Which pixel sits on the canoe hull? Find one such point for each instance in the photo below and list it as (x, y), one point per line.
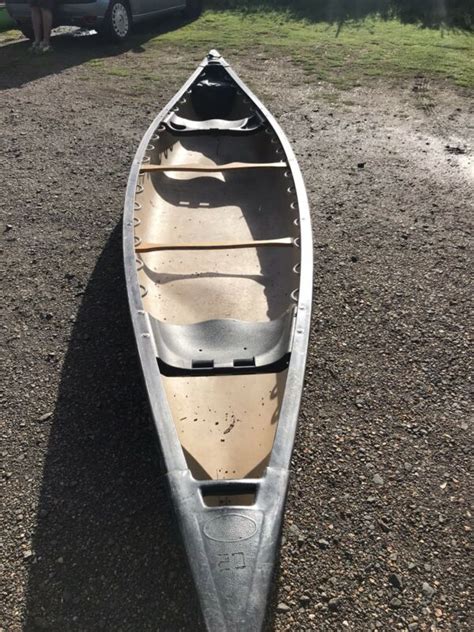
(231, 550)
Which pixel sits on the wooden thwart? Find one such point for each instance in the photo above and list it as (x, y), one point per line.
(223, 245)
(231, 166)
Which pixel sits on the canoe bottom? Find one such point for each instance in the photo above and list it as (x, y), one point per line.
(226, 423)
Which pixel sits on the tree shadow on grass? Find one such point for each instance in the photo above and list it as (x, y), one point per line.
(332, 11)
(18, 67)
(428, 13)
(107, 553)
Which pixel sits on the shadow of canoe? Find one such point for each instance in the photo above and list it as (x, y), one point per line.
(108, 555)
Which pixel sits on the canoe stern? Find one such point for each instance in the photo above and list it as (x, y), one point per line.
(231, 550)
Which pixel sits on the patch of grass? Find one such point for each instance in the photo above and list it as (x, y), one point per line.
(8, 30)
(432, 13)
(10, 36)
(95, 63)
(150, 77)
(330, 97)
(345, 57)
(104, 66)
(119, 72)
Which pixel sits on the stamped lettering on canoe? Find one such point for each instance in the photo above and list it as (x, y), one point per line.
(231, 561)
(230, 528)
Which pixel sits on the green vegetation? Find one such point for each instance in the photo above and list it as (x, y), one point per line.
(432, 13)
(341, 53)
(344, 56)
(118, 72)
(148, 77)
(6, 23)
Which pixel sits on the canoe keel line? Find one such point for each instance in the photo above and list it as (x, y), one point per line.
(218, 265)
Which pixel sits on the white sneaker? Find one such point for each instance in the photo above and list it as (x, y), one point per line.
(34, 47)
(45, 48)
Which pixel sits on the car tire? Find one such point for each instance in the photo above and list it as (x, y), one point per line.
(27, 29)
(193, 8)
(117, 22)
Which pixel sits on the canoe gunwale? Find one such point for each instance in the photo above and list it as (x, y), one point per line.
(286, 430)
(188, 493)
(172, 452)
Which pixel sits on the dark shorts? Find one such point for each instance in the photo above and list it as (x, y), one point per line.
(43, 4)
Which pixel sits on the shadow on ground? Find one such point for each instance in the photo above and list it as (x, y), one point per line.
(107, 552)
(73, 49)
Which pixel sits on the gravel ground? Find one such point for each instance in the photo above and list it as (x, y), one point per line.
(377, 528)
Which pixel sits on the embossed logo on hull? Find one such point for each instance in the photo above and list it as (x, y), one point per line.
(230, 527)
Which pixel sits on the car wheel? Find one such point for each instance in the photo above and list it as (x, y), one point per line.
(27, 29)
(117, 22)
(193, 8)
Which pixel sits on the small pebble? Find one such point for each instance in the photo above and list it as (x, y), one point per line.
(334, 604)
(377, 479)
(396, 581)
(45, 417)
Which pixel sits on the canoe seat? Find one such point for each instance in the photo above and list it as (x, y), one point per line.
(249, 125)
(224, 344)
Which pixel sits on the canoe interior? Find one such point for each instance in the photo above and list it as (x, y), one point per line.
(226, 419)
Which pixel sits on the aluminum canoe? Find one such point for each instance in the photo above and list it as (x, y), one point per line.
(218, 263)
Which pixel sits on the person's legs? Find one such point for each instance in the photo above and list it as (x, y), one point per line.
(47, 20)
(36, 21)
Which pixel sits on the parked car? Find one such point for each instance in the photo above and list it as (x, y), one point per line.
(111, 18)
